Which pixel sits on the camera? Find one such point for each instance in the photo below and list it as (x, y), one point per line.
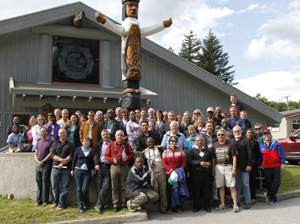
(119, 160)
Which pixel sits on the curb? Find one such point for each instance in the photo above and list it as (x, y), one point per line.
(280, 197)
(138, 216)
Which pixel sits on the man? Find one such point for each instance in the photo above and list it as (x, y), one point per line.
(228, 131)
(258, 134)
(174, 131)
(199, 160)
(166, 127)
(234, 103)
(235, 120)
(119, 118)
(57, 114)
(210, 137)
(119, 154)
(151, 114)
(99, 116)
(272, 160)
(152, 156)
(64, 120)
(16, 121)
(244, 163)
(218, 112)
(125, 118)
(138, 188)
(211, 117)
(133, 129)
(43, 160)
(90, 129)
(102, 167)
(244, 117)
(185, 126)
(224, 168)
(142, 138)
(78, 114)
(110, 124)
(186, 113)
(62, 153)
(138, 114)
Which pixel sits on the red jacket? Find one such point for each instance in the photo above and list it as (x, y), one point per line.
(173, 160)
(111, 154)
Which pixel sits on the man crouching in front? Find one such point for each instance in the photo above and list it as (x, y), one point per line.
(138, 188)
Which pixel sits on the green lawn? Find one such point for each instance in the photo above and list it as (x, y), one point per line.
(24, 211)
(290, 180)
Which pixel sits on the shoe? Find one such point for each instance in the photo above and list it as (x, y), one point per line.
(163, 211)
(87, 206)
(207, 209)
(247, 206)
(232, 205)
(179, 211)
(236, 208)
(267, 197)
(170, 211)
(195, 209)
(252, 202)
(271, 203)
(221, 207)
(81, 209)
(115, 209)
(124, 208)
(215, 198)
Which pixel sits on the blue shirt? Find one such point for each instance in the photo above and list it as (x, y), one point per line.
(181, 140)
(15, 139)
(237, 122)
(103, 151)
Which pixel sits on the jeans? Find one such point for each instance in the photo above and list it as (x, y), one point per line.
(42, 177)
(103, 180)
(83, 180)
(244, 177)
(273, 181)
(131, 143)
(60, 186)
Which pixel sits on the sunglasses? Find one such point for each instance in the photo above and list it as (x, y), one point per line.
(220, 134)
(173, 141)
(257, 128)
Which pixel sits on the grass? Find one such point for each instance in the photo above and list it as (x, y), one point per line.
(23, 211)
(290, 180)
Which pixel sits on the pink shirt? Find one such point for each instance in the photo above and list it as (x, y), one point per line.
(29, 134)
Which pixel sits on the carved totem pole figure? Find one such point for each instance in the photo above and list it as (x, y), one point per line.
(131, 49)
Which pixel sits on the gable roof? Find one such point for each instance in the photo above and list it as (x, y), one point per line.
(290, 113)
(26, 23)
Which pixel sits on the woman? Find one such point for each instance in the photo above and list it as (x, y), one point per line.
(165, 116)
(143, 114)
(52, 127)
(36, 131)
(255, 162)
(15, 139)
(179, 119)
(83, 118)
(191, 139)
(159, 119)
(201, 125)
(173, 158)
(199, 160)
(196, 114)
(152, 126)
(82, 170)
(28, 137)
(133, 129)
(73, 131)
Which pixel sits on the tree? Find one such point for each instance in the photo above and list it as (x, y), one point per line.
(191, 46)
(214, 60)
(171, 49)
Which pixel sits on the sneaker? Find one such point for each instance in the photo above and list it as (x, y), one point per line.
(215, 198)
(115, 209)
(252, 202)
(221, 207)
(267, 197)
(236, 208)
(271, 203)
(247, 206)
(81, 209)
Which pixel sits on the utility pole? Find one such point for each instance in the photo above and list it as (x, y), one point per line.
(287, 101)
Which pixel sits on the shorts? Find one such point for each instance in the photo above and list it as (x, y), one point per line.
(224, 174)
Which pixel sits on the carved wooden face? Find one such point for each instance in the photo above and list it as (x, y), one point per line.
(132, 9)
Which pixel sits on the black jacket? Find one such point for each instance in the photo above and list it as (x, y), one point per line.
(244, 148)
(214, 138)
(117, 127)
(136, 180)
(76, 134)
(98, 152)
(140, 142)
(194, 159)
(166, 127)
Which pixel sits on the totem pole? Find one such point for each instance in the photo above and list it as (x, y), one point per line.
(131, 49)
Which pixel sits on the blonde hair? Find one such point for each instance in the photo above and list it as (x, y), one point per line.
(31, 119)
(197, 111)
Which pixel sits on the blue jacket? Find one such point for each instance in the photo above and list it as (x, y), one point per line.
(273, 156)
(179, 188)
(56, 128)
(237, 122)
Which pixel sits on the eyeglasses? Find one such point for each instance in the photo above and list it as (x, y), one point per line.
(173, 141)
(257, 128)
(197, 113)
(220, 134)
(91, 115)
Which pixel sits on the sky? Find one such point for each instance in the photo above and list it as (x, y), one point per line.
(261, 37)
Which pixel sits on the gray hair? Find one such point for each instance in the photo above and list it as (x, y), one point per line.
(233, 108)
(118, 109)
(221, 130)
(151, 109)
(99, 112)
(151, 121)
(56, 110)
(104, 131)
(200, 136)
(171, 111)
(258, 124)
(237, 127)
(120, 131)
(175, 123)
(65, 110)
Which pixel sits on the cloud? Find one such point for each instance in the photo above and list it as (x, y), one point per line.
(280, 38)
(250, 8)
(294, 4)
(273, 85)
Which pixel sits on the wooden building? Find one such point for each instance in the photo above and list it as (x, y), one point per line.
(38, 51)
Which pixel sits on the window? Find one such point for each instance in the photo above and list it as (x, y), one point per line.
(295, 124)
(75, 61)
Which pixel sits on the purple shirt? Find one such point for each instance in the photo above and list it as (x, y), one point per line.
(133, 129)
(43, 147)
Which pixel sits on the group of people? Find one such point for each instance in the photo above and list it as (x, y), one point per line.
(204, 153)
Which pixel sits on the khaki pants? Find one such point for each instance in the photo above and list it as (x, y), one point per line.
(145, 195)
(160, 186)
(118, 177)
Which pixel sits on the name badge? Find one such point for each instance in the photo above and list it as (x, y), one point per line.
(109, 130)
(156, 160)
(201, 154)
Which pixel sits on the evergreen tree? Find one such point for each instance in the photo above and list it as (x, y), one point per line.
(171, 49)
(214, 60)
(191, 46)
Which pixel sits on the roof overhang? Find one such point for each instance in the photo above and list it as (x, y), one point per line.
(71, 96)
